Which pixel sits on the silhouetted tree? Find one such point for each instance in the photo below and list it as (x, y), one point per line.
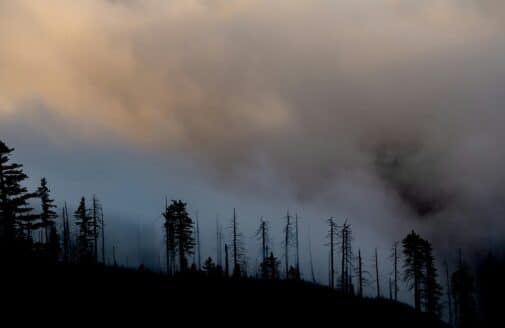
(431, 289)
(209, 267)
(183, 232)
(377, 275)
(448, 294)
(297, 246)
(85, 235)
(65, 233)
(463, 289)
(96, 213)
(288, 233)
(262, 234)
(16, 220)
(237, 248)
(47, 215)
(360, 275)
(197, 238)
(345, 235)
(413, 265)
(53, 244)
(395, 258)
(170, 243)
(270, 267)
(332, 231)
(226, 261)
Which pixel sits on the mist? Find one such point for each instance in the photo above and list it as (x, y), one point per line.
(387, 112)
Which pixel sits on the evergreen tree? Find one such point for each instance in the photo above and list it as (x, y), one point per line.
(47, 215)
(85, 235)
(413, 265)
(53, 243)
(94, 225)
(463, 289)
(270, 268)
(209, 267)
(431, 290)
(16, 220)
(182, 226)
(170, 243)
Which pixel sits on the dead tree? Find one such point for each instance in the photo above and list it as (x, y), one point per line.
(226, 262)
(377, 278)
(346, 264)
(66, 233)
(395, 258)
(102, 225)
(313, 276)
(237, 248)
(297, 242)
(360, 274)
(449, 292)
(332, 237)
(198, 247)
(219, 244)
(262, 236)
(287, 241)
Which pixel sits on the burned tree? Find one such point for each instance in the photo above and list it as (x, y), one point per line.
(332, 235)
(238, 252)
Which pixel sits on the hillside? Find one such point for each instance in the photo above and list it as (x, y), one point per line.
(126, 292)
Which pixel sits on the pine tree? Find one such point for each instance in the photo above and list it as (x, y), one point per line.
(170, 243)
(413, 265)
(183, 232)
(209, 267)
(85, 234)
(270, 268)
(47, 215)
(16, 220)
(94, 225)
(463, 289)
(431, 290)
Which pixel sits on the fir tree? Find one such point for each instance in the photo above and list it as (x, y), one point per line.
(84, 237)
(47, 215)
(16, 220)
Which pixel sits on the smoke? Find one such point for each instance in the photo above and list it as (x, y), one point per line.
(394, 103)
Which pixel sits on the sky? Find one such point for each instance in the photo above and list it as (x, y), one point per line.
(388, 113)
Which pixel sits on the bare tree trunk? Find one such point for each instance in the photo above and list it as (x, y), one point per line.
(226, 263)
(311, 262)
(297, 247)
(396, 270)
(235, 246)
(332, 243)
(286, 245)
(198, 242)
(449, 298)
(360, 274)
(377, 273)
(103, 238)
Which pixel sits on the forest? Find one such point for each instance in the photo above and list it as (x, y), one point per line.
(46, 249)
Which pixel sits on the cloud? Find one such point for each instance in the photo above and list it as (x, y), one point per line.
(391, 97)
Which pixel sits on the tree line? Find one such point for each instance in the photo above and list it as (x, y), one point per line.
(29, 229)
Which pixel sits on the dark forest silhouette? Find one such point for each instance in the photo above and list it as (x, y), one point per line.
(33, 233)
